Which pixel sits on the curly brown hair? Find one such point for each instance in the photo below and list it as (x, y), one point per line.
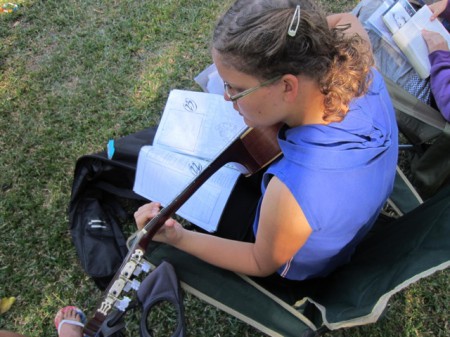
(252, 37)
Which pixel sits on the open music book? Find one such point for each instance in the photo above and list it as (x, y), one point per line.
(406, 26)
(195, 127)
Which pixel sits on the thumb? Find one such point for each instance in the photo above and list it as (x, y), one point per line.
(170, 223)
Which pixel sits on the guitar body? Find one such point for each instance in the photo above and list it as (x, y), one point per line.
(254, 149)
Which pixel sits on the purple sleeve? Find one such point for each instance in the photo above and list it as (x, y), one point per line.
(440, 80)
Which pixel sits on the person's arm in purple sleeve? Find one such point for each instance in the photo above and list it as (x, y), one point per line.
(439, 56)
(440, 80)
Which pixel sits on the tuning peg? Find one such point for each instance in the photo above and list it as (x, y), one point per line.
(134, 284)
(122, 304)
(144, 266)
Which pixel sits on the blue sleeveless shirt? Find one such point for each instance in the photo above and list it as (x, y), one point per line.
(341, 174)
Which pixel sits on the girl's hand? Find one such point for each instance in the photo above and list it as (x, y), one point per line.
(171, 232)
(146, 213)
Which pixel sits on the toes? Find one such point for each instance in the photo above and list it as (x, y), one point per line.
(71, 314)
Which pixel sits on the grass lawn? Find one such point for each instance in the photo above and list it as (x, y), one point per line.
(74, 74)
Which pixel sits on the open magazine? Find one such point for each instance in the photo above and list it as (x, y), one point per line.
(195, 127)
(397, 15)
(375, 21)
(406, 26)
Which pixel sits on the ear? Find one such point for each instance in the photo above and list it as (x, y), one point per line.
(290, 87)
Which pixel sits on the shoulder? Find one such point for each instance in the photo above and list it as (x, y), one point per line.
(280, 208)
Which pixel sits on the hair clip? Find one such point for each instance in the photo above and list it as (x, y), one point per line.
(296, 18)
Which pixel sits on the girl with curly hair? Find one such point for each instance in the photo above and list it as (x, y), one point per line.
(285, 62)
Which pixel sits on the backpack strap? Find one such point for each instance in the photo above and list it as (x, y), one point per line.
(161, 285)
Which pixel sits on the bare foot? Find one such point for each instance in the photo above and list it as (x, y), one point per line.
(68, 329)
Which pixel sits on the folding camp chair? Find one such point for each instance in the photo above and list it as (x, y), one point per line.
(355, 294)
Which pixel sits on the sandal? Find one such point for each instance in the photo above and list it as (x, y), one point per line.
(60, 322)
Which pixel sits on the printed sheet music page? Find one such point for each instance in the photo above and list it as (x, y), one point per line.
(194, 129)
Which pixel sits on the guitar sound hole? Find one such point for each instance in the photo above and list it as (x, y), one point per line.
(162, 319)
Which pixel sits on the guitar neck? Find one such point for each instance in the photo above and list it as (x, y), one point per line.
(153, 226)
(254, 149)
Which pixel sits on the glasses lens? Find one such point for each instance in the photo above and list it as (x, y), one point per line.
(244, 93)
(226, 87)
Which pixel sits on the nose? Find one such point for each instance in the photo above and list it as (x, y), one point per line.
(226, 97)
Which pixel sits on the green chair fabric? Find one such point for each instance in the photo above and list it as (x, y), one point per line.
(233, 294)
(355, 294)
(393, 256)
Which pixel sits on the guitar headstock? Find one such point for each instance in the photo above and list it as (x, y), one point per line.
(125, 281)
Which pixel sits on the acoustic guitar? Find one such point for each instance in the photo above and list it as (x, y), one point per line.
(254, 149)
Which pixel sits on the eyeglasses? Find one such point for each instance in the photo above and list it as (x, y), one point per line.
(244, 93)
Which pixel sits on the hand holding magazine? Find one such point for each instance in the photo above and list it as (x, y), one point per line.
(406, 26)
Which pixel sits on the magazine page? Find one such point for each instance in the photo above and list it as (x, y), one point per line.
(409, 39)
(376, 22)
(398, 14)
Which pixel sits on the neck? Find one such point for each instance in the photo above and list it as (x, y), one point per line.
(308, 108)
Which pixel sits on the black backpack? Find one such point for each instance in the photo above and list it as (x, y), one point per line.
(102, 199)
